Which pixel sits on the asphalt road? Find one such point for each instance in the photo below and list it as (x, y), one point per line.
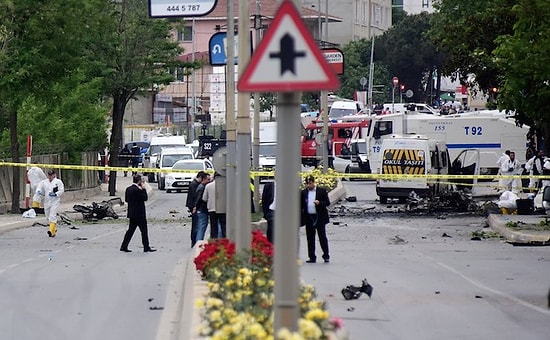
(431, 281)
(78, 285)
(426, 286)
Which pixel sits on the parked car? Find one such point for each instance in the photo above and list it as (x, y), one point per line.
(167, 158)
(186, 171)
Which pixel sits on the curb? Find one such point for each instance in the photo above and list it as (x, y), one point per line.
(498, 223)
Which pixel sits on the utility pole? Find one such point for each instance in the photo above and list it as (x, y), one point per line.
(324, 103)
(256, 136)
(231, 128)
(243, 137)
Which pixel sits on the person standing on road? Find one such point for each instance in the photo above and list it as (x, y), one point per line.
(135, 196)
(534, 166)
(505, 157)
(268, 208)
(201, 208)
(51, 188)
(217, 219)
(124, 158)
(136, 150)
(190, 204)
(511, 167)
(314, 213)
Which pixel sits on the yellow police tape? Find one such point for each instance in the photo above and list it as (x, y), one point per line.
(332, 174)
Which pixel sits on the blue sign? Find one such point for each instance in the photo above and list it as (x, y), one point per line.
(217, 48)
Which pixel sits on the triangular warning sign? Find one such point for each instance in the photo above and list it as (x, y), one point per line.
(287, 59)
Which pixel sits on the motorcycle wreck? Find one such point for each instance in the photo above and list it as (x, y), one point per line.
(99, 211)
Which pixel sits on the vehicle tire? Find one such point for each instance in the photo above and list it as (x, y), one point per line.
(383, 199)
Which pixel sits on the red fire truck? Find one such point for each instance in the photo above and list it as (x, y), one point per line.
(340, 136)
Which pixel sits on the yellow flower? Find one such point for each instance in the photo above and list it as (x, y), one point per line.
(309, 329)
(215, 315)
(199, 303)
(257, 331)
(317, 314)
(229, 282)
(213, 302)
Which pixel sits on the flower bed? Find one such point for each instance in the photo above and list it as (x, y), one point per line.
(239, 301)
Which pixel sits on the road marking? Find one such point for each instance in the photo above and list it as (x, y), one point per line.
(52, 252)
(494, 291)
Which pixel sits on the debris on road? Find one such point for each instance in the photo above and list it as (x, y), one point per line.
(354, 292)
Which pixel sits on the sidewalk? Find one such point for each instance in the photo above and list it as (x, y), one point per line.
(522, 229)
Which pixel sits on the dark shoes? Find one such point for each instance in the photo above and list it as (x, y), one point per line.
(125, 250)
(149, 250)
(311, 261)
(326, 258)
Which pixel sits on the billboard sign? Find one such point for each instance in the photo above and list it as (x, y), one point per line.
(182, 8)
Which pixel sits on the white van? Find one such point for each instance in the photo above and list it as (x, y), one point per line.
(156, 146)
(167, 158)
(411, 155)
(340, 109)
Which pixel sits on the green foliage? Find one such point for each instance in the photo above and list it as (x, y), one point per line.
(357, 65)
(524, 59)
(467, 31)
(410, 55)
(42, 83)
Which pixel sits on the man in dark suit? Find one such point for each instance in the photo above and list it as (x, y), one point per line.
(268, 208)
(314, 202)
(135, 196)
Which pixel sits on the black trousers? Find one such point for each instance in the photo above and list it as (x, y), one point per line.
(194, 220)
(217, 221)
(270, 218)
(135, 223)
(314, 227)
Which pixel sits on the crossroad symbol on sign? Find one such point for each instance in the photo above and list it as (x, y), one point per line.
(287, 59)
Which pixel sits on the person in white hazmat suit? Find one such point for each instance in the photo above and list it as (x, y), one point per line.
(51, 189)
(35, 176)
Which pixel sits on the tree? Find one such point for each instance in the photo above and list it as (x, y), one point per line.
(133, 52)
(467, 31)
(524, 60)
(357, 65)
(410, 55)
(41, 43)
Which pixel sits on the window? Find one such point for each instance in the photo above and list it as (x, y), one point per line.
(186, 34)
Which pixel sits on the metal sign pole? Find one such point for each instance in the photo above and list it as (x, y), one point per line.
(287, 211)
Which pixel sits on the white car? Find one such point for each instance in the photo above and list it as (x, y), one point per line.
(186, 172)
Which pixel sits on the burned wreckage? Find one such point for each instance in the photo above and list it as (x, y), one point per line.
(99, 211)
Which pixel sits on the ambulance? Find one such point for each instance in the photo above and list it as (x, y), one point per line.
(405, 155)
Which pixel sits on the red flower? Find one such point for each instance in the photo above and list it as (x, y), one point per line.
(222, 249)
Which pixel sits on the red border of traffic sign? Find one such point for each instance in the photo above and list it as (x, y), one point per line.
(244, 85)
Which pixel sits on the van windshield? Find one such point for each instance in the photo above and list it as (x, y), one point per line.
(169, 160)
(340, 112)
(153, 149)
